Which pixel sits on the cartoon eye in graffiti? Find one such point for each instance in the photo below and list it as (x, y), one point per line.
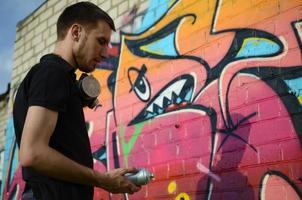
(161, 44)
(139, 83)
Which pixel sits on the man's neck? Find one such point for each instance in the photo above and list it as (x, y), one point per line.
(65, 52)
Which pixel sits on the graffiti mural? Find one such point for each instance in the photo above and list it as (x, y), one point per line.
(12, 186)
(208, 96)
(209, 99)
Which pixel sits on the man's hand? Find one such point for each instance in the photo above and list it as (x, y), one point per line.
(114, 181)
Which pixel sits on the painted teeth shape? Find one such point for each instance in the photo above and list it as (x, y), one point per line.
(177, 94)
(175, 88)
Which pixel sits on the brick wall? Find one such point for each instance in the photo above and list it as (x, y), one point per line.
(4, 98)
(3, 119)
(205, 94)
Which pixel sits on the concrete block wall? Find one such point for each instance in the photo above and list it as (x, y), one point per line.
(205, 94)
(3, 119)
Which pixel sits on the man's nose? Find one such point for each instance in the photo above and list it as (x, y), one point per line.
(104, 53)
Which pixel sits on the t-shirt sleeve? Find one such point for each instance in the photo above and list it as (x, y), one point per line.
(49, 88)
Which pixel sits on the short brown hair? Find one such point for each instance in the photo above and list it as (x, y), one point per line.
(84, 13)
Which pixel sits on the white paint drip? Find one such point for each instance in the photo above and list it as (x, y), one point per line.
(205, 170)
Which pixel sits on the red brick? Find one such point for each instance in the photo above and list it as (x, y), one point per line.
(230, 181)
(176, 168)
(160, 171)
(158, 189)
(255, 174)
(163, 136)
(265, 108)
(269, 153)
(191, 183)
(296, 169)
(228, 161)
(250, 157)
(291, 149)
(191, 166)
(198, 127)
(140, 158)
(163, 154)
(149, 140)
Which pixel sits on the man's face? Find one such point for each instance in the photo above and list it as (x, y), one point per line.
(93, 46)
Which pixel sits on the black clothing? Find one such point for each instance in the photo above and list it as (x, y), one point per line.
(52, 84)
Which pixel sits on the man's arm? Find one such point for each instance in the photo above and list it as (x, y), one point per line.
(35, 153)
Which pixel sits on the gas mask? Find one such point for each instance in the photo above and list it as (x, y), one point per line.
(90, 90)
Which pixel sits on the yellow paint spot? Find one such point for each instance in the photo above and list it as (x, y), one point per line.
(300, 100)
(172, 187)
(183, 196)
(156, 51)
(171, 3)
(256, 42)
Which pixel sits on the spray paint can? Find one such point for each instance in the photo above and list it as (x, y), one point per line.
(142, 177)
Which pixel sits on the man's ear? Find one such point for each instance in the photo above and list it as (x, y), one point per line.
(76, 30)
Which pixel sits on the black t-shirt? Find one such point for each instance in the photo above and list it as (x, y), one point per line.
(52, 84)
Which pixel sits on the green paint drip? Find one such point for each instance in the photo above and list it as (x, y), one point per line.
(127, 147)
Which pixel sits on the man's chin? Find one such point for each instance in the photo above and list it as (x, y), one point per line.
(87, 69)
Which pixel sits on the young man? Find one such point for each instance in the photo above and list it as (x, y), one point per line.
(49, 122)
